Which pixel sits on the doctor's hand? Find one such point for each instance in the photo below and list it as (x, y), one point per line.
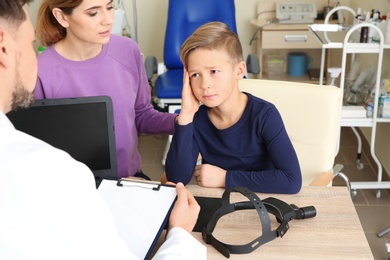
(189, 103)
(186, 210)
(211, 176)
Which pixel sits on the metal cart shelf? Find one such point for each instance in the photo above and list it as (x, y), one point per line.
(334, 36)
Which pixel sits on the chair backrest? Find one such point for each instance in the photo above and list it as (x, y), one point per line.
(185, 16)
(311, 115)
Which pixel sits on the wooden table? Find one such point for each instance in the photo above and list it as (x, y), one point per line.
(335, 233)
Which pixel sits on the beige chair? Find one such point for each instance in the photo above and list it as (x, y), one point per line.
(311, 114)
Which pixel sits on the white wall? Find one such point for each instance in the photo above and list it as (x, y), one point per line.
(152, 16)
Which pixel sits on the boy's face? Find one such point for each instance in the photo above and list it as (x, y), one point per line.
(213, 77)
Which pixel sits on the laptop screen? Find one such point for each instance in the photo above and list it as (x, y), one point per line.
(83, 127)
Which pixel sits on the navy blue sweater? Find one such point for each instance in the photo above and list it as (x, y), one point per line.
(256, 152)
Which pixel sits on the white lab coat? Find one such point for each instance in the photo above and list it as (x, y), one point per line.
(50, 208)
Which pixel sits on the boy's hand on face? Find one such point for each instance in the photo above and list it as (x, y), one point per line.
(189, 104)
(207, 175)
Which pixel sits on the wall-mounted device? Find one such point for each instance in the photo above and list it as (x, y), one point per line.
(296, 12)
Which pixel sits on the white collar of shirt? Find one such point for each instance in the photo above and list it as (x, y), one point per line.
(4, 121)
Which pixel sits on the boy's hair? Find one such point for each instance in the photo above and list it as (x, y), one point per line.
(213, 36)
(11, 12)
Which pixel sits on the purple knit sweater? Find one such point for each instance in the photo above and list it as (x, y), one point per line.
(118, 71)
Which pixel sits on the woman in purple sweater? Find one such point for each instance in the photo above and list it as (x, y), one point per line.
(84, 59)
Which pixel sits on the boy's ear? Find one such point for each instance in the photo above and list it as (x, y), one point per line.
(60, 17)
(241, 69)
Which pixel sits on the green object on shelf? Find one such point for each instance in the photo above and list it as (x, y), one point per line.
(275, 61)
(275, 64)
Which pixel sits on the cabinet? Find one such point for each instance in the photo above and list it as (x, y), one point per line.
(341, 37)
(282, 39)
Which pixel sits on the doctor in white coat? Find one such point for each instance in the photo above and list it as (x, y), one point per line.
(49, 206)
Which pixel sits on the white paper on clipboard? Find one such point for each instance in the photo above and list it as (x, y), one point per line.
(140, 213)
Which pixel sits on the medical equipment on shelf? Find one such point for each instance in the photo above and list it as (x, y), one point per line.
(296, 12)
(334, 73)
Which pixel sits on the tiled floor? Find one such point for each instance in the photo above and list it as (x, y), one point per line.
(374, 213)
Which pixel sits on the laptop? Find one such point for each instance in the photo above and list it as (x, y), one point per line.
(83, 127)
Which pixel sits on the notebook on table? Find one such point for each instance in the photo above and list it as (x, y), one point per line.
(83, 127)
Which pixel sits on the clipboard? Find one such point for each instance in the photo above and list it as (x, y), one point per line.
(141, 210)
(154, 185)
